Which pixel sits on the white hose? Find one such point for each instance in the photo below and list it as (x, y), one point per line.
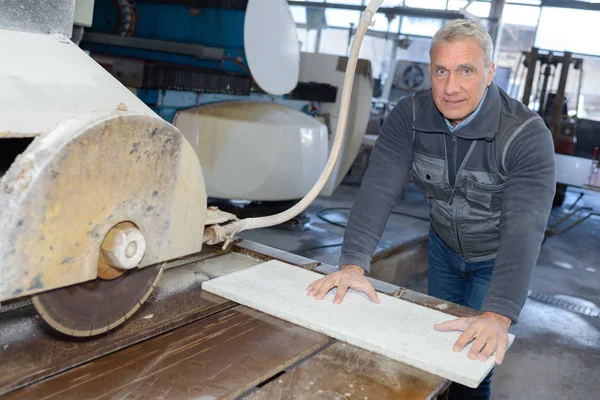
(216, 234)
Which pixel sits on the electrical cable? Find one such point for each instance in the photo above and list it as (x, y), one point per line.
(236, 62)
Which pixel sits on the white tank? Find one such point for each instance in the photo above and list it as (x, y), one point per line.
(254, 150)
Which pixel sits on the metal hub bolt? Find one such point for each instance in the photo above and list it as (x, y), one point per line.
(124, 246)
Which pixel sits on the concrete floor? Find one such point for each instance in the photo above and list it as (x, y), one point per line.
(556, 354)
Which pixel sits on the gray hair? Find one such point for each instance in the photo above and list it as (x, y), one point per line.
(460, 29)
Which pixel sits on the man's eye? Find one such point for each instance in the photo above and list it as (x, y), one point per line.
(441, 72)
(467, 71)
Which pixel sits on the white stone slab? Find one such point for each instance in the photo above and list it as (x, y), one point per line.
(394, 328)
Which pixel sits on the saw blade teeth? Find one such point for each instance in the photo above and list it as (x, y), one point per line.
(70, 311)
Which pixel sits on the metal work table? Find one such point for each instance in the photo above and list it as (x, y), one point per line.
(186, 343)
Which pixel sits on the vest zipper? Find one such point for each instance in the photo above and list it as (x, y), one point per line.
(455, 158)
(457, 172)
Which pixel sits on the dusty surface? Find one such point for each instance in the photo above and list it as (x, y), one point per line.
(343, 371)
(216, 357)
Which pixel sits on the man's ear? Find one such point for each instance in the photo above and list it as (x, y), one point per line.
(491, 72)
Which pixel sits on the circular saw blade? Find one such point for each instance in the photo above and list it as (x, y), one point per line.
(94, 307)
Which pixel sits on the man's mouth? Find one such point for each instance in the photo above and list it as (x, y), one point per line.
(453, 102)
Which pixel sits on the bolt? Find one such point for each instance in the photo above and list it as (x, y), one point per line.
(131, 249)
(124, 246)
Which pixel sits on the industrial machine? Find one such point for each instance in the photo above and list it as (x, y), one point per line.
(102, 191)
(546, 75)
(185, 59)
(409, 77)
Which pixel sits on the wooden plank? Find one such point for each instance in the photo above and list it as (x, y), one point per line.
(30, 351)
(343, 371)
(398, 329)
(217, 357)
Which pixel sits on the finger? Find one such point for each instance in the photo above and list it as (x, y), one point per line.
(478, 345)
(340, 293)
(489, 349)
(501, 351)
(464, 339)
(325, 288)
(459, 324)
(314, 287)
(372, 293)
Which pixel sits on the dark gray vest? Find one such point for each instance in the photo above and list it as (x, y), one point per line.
(467, 215)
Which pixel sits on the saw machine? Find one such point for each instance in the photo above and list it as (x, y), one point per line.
(99, 191)
(105, 189)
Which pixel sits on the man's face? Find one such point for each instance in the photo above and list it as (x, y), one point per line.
(458, 78)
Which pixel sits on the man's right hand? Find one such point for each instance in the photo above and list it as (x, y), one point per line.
(349, 276)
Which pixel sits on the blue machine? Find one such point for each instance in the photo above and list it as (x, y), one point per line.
(183, 53)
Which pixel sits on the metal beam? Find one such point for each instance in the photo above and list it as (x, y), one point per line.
(494, 25)
(230, 4)
(370, 32)
(404, 11)
(560, 95)
(580, 5)
(531, 61)
(190, 49)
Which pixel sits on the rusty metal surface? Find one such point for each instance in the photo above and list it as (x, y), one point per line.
(220, 356)
(29, 351)
(347, 372)
(75, 182)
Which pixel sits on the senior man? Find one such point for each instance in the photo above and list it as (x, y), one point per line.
(486, 163)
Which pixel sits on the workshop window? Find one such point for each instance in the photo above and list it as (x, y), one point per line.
(430, 4)
(420, 26)
(308, 39)
(515, 14)
(382, 23)
(334, 41)
(418, 51)
(350, 2)
(578, 33)
(378, 51)
(479, 9)
(589, 100)
(299, 14)
(341, 18)
(531, 2)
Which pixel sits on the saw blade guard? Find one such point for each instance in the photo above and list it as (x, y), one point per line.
(88, 174)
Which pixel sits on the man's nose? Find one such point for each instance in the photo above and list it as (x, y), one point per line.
(452, 86)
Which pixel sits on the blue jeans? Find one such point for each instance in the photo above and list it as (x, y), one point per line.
(454, 280)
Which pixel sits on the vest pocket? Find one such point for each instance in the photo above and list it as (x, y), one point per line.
(480, 218)
(487, 196)
(428, 174)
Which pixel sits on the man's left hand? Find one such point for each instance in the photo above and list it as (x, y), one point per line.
(489, 331)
